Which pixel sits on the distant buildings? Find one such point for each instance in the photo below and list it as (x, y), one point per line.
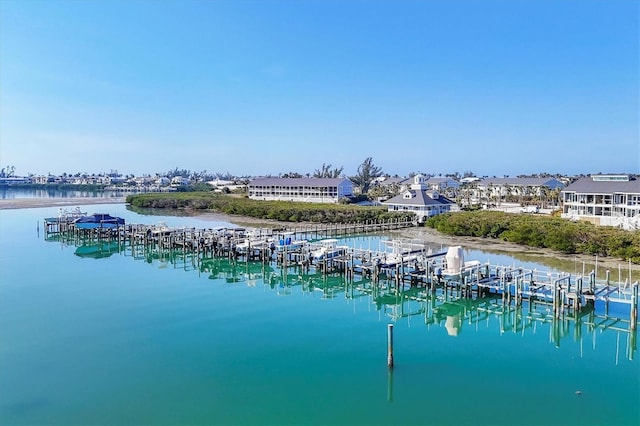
(12, 180)
(221, 185)
(603, 199)
(492, 192)
(312, 190)
(611, 200)
(517, 187)
(178, 181)
(442, 184)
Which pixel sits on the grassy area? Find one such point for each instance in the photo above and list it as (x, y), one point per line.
(542, 231)
(284, 211)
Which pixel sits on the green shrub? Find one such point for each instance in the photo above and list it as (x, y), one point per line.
(276, 210)
(550, 232)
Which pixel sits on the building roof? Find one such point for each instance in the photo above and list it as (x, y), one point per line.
(587, 185)
(392, 180)
(441, 179)
(419, 198)
(299, 182)
(550, 182)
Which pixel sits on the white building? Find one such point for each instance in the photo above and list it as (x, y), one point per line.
(177, 181)
(503, 187)
(420, 199)
(610, 200)
(311, 190)
(162, 181)
(442, 183)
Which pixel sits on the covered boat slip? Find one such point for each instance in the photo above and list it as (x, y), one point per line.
(76, 219)
(98, 220)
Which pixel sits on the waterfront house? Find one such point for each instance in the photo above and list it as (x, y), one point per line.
(10, 180)
(604, 199)
(311, 190)
(42, 179)
(420, 199)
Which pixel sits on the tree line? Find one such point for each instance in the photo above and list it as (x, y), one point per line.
(284, 211)
(542, 231)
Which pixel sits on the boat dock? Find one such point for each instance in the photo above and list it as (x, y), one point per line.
(401, 267)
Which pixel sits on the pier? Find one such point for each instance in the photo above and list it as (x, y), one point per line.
(312, 257)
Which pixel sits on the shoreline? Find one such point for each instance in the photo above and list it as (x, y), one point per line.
(424, 234)
(31, 203)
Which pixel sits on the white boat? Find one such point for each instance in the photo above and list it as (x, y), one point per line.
(393, 259)
(253, 243)
(160, 229)
(328, 249)
(287, 243)
(402, 252)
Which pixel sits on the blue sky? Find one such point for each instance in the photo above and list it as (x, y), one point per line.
(270, 86)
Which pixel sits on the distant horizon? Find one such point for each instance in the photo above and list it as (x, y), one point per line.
(275, 175)
(267, 87)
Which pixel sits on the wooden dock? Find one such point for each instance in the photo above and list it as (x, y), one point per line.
(408, 265)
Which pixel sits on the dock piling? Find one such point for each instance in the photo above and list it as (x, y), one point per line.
(390, 345)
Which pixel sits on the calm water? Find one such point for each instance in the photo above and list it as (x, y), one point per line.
(12, 193)
(127, 339)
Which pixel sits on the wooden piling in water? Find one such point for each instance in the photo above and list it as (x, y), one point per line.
(634, 306)
(390, 345)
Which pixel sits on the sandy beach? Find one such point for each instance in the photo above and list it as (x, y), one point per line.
(420, 233)
(29, 203)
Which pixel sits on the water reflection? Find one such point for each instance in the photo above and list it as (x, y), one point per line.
(438, 308)
(12, 193)
(99, 250)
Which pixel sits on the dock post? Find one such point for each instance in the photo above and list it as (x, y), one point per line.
(464, 287)
(608, 276)
(578, 294)
(390, 345)
(634, 306)
(556, 300)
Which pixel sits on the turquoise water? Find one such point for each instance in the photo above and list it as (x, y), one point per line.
(122, 339)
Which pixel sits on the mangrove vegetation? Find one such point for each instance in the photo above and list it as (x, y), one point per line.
(284, 211)
(542, 231)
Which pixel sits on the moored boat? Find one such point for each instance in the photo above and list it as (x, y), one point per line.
(287, 243)
(328, 249)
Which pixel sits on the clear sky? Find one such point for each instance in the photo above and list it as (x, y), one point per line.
(254, 87)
